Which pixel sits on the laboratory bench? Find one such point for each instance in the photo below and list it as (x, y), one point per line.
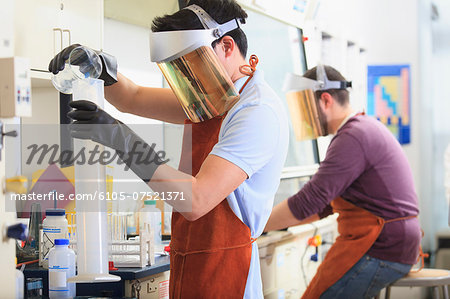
(289, 260)
(156, 276)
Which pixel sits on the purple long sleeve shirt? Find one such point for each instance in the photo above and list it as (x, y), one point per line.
(366, 166)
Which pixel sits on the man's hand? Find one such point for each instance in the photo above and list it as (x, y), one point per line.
(91, 122)
(109, 64)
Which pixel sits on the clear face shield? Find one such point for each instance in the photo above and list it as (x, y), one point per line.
(307, 117)
(192, 69)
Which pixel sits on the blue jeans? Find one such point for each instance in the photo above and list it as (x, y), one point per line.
(366, 279)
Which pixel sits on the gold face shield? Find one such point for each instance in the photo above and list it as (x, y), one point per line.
(200, 83)
(307, 118)
(304, 114)
(193, 70)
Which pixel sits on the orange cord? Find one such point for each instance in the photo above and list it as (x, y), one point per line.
(421, 257)
(248, 69)
(27, 263)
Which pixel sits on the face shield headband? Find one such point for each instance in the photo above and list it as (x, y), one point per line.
(192, 69)
(307, 118)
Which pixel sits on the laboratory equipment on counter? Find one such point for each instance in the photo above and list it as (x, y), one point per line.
(17, 184)
(308, 121)
(17, 231)
(31, 249)
(54, 226)
(91, 215)
(192, 68)
(137, 252)
(19, 283)
(15, 87)
(82, 62)
(34, 288)
(61, 266)
(153, 281)
(151, 215)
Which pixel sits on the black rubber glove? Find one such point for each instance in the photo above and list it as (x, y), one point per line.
(109, 64)
(91, 122)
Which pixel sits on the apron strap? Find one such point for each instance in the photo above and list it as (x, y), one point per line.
(422, 256)
(401, 218)
(252, 240)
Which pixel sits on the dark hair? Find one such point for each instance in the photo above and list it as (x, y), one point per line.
(221, 11)
(342, 95)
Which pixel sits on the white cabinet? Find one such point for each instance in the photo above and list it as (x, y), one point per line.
(268, 267)
(7, 246)
(285, 258)
(43, 28)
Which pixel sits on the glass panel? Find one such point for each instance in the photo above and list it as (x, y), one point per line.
(263, 34)
(289, 187)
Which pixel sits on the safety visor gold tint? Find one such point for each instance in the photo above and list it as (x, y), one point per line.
(201, 84)
(304, 114)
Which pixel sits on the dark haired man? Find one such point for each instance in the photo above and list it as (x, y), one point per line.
(239, 144)
(367, 179)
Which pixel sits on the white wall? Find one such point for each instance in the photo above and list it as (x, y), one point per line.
(130, 45)
(438, 75)
(397, 32)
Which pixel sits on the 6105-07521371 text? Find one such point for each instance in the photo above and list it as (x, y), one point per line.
(50, 196)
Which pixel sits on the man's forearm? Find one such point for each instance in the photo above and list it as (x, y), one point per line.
(175, 188)
(155, 103)
(282, 217)
(216, 179)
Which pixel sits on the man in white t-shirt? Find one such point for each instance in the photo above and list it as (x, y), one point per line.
(233, 166)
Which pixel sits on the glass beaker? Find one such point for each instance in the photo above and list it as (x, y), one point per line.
(83, 62)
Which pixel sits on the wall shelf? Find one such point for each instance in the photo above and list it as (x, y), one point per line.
(41, 79)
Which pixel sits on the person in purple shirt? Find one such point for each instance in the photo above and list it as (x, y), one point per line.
(365, 174)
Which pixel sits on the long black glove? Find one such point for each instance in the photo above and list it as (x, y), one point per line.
(109, 64)
(91, 122)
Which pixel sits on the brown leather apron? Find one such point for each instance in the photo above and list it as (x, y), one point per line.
(209, 257)
(358, 230)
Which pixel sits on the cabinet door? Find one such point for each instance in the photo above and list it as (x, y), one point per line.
(84, 20)
(268, 268)
(43, 28)
(34, 22)
(288, 271)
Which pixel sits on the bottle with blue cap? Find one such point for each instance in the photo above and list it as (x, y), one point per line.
(61, 266)
(54, 226)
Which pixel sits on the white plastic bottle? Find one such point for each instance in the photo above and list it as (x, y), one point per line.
(54, 227)
(61, 262)
(19, 284)
(150, 214)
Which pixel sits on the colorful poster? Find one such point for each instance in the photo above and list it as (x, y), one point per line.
(389, 98)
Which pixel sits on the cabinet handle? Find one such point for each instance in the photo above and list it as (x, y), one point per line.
(69, 34)
(55, 51)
